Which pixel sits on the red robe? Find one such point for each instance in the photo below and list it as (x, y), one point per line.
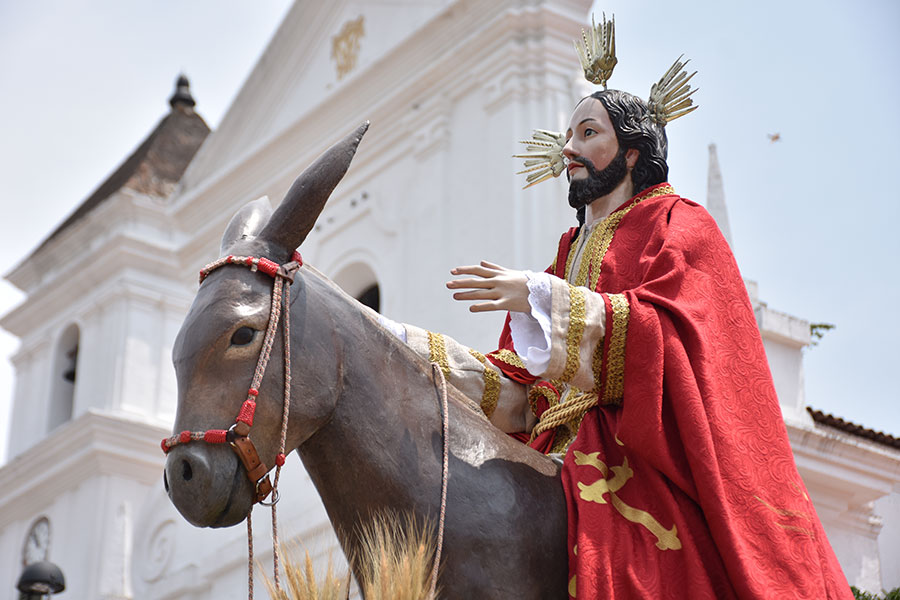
(682, 483)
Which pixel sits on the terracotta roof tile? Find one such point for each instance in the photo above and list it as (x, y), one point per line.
(853, 429)
(156, 166)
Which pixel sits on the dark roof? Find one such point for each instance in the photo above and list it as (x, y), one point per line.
(854, 429)
(158, 163)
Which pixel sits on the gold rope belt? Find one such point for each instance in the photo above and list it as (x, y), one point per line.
(570, 411)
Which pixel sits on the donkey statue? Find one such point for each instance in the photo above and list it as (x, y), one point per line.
(364, 415)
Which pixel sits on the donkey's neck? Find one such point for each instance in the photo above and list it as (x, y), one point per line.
(381, 449)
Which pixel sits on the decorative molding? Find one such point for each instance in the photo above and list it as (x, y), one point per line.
(782, 327)
(124, 261)
(267, 88)
(124, 214)
(457, 39)
(836, 463)
(427, 127)
(157, 551)
(94, 445)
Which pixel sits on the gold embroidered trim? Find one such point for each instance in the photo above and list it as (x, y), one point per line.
(536, 392)
(601, 238)
(438, 352)
(509, 357)
(575, 332)
(570, 258)
(491, 394)
(597, 365)
(666, 539)
(602, 233)
(615, 358)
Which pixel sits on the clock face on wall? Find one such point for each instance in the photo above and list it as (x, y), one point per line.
(37, 542)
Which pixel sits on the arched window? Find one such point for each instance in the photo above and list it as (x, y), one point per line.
(371, 297)
(358, 280)
(65, 374)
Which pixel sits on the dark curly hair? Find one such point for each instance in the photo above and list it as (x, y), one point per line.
(634, 129)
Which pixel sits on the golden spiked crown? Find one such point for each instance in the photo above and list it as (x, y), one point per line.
(669, 99)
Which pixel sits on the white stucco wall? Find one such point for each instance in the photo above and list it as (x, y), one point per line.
(888, 510)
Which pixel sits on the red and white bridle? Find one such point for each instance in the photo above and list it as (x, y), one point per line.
(238, 435)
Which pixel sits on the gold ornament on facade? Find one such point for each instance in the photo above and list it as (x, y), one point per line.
(597, 51)
(345, 46)
(670, 97)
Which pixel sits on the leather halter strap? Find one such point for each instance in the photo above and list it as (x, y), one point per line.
(238, 435)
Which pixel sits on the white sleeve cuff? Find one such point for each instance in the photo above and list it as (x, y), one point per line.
(531, 331)
(393, 326)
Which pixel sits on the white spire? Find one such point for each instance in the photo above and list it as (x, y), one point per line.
(715, 195)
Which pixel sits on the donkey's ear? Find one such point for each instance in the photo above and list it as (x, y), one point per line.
(297, 213)
(246, 223)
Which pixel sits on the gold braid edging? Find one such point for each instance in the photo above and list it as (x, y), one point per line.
(575, 332)
(598, 250)
(597, 364)
(538, 391)
(509, 357)
(601, 238)
(615, 359)
(491, 394)
(438, 352)
(571, 256)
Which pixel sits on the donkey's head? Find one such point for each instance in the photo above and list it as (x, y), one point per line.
(216, 351)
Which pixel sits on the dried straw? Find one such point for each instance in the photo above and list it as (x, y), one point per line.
(395, 558)
(394, 563)
(303, 584)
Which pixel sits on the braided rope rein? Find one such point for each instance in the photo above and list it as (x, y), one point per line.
(445, 476)
(240, 431)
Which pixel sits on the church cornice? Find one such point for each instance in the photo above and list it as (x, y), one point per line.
(122, 266)
(782, 327)
(95, 445)
(851, 469)
(125, 214)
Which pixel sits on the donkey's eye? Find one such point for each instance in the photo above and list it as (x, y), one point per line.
(243, 336)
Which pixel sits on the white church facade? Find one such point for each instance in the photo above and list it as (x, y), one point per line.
(95, 389)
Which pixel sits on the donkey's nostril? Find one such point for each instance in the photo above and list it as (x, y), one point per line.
(186, 471)
(165, 481)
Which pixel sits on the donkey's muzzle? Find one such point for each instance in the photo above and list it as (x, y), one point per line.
(206, 484)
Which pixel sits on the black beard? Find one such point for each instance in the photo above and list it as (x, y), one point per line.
(598, 183)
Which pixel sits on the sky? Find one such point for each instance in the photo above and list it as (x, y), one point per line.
(813, 215)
